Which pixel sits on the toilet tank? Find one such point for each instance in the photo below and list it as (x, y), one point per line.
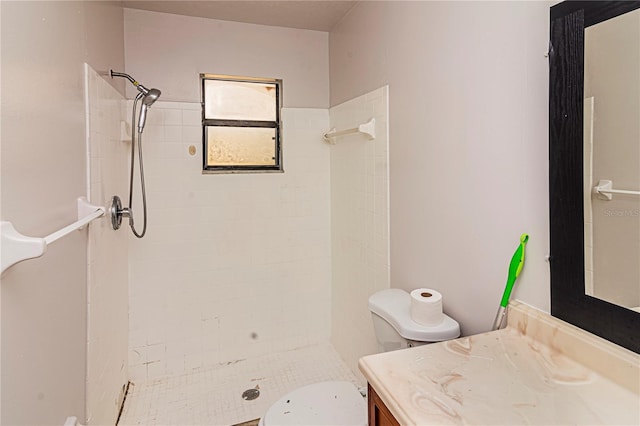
(394, 327)
(388, 338)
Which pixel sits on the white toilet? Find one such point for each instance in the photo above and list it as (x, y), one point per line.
(341, 403)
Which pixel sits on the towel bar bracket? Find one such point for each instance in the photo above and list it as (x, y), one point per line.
(368, 128)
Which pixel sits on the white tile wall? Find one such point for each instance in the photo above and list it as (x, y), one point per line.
(107, 294)
(359, 223)
(232, 266)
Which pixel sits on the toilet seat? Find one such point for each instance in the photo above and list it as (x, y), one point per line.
(324, 403)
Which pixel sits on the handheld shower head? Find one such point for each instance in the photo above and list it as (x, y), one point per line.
(149, 98)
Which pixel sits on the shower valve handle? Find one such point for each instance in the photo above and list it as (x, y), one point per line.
(117, 212)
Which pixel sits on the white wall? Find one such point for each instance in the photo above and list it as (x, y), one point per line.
(107, 255)
(233, 265)
(44, 305)
(170, 51)
(468, 142)
(359, 224)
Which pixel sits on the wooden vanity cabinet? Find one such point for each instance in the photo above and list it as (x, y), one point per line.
(379, 414)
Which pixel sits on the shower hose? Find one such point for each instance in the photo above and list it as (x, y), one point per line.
(131, 175)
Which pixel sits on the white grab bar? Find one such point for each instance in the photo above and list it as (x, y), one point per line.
(604, 189)
(17, 247)
(368, 128)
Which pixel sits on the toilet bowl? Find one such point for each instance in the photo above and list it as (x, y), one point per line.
(341, 403)
(325, 403)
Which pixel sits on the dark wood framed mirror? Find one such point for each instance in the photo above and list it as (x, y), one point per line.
(569, 301)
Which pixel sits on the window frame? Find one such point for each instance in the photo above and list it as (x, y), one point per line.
(276, 125)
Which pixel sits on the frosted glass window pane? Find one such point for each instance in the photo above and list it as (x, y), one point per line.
(240, 146)
(235, 100)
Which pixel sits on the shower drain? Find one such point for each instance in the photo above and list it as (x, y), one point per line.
(250, 394)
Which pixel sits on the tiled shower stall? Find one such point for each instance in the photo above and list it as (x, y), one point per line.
(234, 267)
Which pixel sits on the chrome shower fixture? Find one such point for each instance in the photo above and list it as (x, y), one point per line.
(149, 96)
(138, 86)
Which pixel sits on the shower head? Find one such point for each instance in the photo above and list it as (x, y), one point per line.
(149, 98)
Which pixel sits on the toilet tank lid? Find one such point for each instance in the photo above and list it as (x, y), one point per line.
(394, 306)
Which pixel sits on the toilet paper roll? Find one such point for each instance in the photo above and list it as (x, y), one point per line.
(426, 307)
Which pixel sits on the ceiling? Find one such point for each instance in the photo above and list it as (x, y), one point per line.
(305, 14)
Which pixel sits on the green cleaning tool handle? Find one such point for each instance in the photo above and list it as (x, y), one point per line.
(515, 267)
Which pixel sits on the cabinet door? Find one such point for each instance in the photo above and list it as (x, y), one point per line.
(379, 414)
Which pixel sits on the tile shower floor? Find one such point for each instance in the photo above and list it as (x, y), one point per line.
(213, 396)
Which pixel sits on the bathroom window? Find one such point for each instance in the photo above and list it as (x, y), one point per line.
(241, 124)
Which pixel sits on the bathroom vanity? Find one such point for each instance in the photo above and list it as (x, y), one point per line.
(537, 370)
(377, 411)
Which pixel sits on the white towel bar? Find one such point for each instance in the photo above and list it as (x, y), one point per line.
(604, 189)
(368, 128)
(17, 247)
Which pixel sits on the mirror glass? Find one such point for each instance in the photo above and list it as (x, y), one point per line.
(612, 160)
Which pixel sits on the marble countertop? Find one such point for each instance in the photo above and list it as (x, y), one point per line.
(538, 370)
